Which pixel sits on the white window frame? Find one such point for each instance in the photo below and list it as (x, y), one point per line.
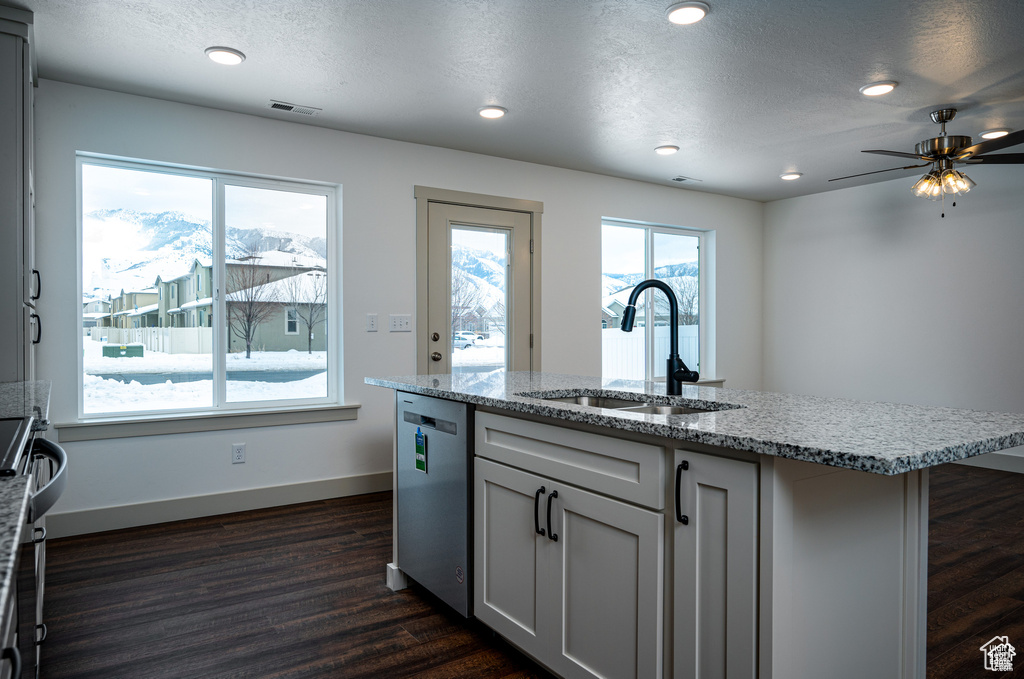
(706, 297)
(220, 179)
(292, 310)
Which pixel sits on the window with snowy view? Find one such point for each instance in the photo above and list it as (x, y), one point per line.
(201, 290)
(631, 253)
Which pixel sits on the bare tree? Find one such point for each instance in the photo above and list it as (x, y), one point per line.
(498, 317)
(687, 293)
(307, 294)
(465, 298)
(248, 296)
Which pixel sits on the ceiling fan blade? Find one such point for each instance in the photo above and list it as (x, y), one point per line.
(990, 145)
(898, 154)
(908, 167)
(1001, 159)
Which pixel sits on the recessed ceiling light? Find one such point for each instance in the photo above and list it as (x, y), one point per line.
(683, 13)
(225, 55)
(493, 111)
(790, 176)
(666, 150)
(995, 134)
(879, 88)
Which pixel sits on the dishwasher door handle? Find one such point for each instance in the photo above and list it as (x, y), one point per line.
(428, 422)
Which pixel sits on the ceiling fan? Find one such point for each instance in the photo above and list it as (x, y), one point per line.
(943, 152)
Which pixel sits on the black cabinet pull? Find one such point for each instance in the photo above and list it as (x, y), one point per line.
(680, 517)
(41, 633)
(41, 532)
(551, 534)
(39, 284)
(11, 653)
(536, 508)
(39, 328)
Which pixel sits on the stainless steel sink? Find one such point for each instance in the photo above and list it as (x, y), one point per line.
(598, 401)
(656, 409)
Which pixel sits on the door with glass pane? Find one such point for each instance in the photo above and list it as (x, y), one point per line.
(633, 253)
(478, 290)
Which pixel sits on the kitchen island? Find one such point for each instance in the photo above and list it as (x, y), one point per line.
(744, 534)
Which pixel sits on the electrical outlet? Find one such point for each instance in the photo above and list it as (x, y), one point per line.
(237, 453)
(400, 323)
(371, 322)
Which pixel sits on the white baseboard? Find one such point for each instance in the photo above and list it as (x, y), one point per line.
(396, 579)
(1006, 461)
(146, 513)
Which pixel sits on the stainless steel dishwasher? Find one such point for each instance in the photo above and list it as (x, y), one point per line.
(435, 471)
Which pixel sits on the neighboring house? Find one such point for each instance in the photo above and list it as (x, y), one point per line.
(291, 312)
(95, 313)
(186, 301)
(135, 309)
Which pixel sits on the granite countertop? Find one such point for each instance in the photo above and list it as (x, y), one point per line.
(882, 438)
(17, 399)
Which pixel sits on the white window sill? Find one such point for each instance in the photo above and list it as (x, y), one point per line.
(161, 425)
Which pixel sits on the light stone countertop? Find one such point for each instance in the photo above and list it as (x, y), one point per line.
(881, 438)
(17, 399)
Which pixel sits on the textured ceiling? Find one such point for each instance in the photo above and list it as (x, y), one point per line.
(757, 88)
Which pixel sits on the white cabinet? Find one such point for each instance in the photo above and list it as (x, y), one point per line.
(571, 577)
(20, 329)
(715, 555)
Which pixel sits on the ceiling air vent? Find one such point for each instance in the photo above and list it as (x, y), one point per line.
(682, 179)
(293, 108)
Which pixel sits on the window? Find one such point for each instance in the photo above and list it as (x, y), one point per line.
(632, 253)
(244, 250)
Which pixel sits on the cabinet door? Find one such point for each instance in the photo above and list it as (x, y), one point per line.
(510, 557)
(608, 586)
(715, 563)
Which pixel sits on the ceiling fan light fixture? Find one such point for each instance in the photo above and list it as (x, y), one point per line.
(928, 186)
(955, 182)
(667, 150)
(790, 176)
(685, 13)
(879, 88)
(227, 56)
(995, 134)
(492, 112)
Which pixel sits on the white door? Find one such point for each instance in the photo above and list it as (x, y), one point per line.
(715, 555)
(478, 289)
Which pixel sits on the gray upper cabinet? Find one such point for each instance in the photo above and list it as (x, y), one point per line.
(18, 280)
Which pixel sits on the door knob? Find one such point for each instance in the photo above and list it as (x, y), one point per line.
(436, 356)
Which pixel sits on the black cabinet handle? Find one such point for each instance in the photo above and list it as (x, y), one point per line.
(680, 517)
(39, 284)
(536, 508)
(551, 534)
(11, 653)
(41, 532)
(39, 328)
(41, 633)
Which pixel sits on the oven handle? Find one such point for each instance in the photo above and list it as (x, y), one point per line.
(47, 496)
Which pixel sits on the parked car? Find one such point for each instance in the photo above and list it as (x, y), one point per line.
(460, 342)
(469, 334)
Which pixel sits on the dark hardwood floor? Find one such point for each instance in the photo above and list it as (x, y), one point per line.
(299, 591)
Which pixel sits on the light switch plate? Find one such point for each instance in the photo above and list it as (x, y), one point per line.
(400, 323)
(371, 322)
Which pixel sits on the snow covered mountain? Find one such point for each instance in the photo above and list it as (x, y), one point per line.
(612, 283)
(125, 249)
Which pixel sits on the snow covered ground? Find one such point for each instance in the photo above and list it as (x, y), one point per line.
(112, 396)
(488, 352)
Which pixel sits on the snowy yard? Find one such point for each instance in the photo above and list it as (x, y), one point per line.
(112, 396)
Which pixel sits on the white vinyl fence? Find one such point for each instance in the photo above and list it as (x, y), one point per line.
(167, 340)
(622, 353)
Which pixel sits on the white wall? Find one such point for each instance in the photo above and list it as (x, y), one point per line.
(870, 294)
(378, 222)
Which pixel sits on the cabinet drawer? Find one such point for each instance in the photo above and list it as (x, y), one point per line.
(624, 469)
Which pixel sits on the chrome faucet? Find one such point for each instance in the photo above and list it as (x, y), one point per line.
(677, 370)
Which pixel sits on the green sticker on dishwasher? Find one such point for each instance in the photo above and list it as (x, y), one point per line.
(421, 451)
